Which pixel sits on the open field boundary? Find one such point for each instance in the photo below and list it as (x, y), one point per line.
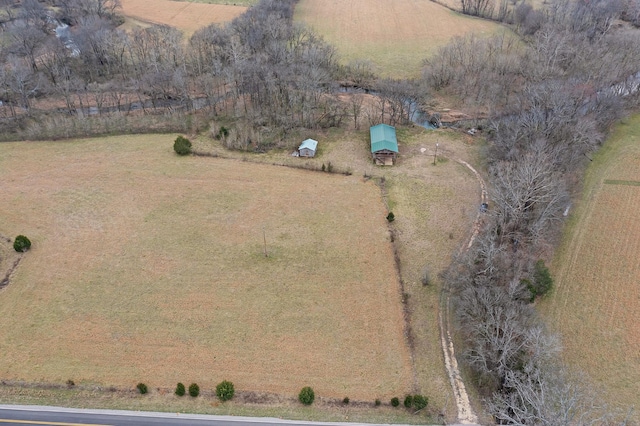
(186, 16)
(444, 217)
(621, 182)
(140, 257)
(595, 306)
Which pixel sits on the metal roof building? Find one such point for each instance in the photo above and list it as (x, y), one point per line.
(384, 144)
(308, 148)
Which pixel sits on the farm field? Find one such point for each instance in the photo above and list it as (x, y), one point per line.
(186, 16)
(434, 208)
(142, 260)
(596, 303)
(395, 36)
(150, 267)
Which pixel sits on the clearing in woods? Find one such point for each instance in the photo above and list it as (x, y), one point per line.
(149, 267)
(186, 16)
(396, 36)
(596, 303)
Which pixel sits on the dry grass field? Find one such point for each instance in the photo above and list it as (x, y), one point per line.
(434, 208)
(596, 303)
(186, 16)
(150, 267)
(396, 36)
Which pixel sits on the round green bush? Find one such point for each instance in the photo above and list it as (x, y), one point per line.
(395, 402)
(225, 390)
(182, 146)
(142, 388)
(180, 390)
(21, 243)
(306, 395)
(345, 400)
(194, 390)
(377, 402)
(408, 401)
(391, 217)
(420, 402)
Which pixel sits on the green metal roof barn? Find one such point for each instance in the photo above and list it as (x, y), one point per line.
(384, 144)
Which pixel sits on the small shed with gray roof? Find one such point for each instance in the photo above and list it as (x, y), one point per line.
(384, 144)
(308, 148)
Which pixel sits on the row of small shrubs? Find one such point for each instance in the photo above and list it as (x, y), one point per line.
(346, 400)
(224, 391)
(417, 402)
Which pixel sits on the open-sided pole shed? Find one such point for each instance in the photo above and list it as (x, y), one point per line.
(384, 144)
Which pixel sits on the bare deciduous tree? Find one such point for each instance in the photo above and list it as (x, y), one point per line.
(73, 10)
(27, 40)
(23, 82)
(528, 195)
(482, 8)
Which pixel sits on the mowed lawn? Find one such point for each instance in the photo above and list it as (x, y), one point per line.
(149, 267)
(596, 303)
(396, 36)
(184, 15)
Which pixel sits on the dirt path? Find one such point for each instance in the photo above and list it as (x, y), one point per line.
(9, 260)
(465, 412)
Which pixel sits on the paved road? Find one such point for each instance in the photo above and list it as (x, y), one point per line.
(58, 416)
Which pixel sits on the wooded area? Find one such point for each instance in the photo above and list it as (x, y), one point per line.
(551, 97)
(262, 69)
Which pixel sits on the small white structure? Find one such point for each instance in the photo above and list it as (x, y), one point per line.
(308, 148)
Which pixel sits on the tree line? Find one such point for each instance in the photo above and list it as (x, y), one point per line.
(550, 95)
(266, 72)
(522, 13)
(261, 68)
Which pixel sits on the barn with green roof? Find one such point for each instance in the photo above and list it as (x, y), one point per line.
(384, 144)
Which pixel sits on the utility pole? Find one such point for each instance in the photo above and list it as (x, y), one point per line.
(435, 155)
(264, 237)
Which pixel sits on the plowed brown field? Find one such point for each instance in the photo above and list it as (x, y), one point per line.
(149, 267)
(396, 36)
(596, 303)
(186, 16)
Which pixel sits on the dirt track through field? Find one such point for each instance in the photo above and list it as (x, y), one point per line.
(463, 405)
